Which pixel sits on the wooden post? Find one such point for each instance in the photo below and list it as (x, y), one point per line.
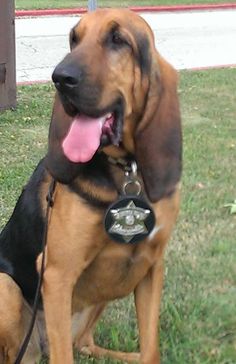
(7, 55)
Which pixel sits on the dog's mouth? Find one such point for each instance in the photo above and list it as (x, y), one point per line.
(88, 133)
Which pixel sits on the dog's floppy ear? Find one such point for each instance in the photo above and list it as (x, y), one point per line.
(158, 139)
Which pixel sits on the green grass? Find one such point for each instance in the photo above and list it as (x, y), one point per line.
(198, 316)
(45, 4)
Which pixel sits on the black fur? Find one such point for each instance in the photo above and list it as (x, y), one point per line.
(97, 171)
(21, 239)
(6, 266)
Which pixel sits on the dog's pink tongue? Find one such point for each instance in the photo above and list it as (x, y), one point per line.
(82, 139)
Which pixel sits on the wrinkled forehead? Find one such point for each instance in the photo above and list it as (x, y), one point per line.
(102, 20)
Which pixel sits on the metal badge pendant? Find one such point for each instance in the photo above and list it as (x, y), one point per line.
(130, 219)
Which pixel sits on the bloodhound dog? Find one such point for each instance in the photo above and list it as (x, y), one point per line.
(116, 103)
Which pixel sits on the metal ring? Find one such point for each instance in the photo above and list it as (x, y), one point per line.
(136, 183)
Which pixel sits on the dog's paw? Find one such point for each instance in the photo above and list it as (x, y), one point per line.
(86, 350)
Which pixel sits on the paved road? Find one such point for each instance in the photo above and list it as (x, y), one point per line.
(187, 39)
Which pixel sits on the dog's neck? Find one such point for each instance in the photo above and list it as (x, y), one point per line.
(100, 181)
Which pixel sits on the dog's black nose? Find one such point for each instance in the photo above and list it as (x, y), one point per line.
(66, 77)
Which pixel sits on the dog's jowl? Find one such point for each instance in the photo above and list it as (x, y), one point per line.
(114, 145)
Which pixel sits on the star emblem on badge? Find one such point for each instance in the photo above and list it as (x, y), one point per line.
(129, 221)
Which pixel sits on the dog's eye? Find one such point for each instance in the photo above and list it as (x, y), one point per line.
(73, 39)
(117, 39)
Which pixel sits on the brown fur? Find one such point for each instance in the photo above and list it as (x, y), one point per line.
(85, 269)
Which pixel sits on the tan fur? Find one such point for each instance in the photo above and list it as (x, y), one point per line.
(115, 271)
(15, 317)
(82, 262)
(84, 268)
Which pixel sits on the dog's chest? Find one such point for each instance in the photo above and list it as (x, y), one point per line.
(114, 273)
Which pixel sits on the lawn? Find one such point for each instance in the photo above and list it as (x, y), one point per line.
(45, 4)
(198, 316)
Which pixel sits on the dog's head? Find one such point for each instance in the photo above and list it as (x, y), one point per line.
(115, 93)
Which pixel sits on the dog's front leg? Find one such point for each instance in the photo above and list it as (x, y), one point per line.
(73, 241)
(57, 296)
(64, 265)
(58, 284)
(147, 300)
